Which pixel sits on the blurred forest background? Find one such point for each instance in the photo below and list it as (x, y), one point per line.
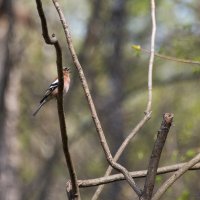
(32, 165)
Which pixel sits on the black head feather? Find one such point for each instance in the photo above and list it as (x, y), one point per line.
(66, 69)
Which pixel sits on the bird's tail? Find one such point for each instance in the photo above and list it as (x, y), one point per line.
(40, 106)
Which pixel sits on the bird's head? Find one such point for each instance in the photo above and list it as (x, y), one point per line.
(66, 69)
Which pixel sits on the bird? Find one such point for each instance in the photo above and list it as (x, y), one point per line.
(52, 91)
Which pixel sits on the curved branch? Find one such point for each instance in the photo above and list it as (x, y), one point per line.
(53, 41)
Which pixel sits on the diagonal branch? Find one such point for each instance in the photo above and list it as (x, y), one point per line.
(53, 41)
(91, 104)
(155, 156)
(135, 174)
(175, 176)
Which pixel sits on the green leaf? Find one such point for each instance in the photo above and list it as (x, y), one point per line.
(190, 153)
(136, 47)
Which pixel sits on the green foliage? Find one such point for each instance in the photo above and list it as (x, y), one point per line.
(196, 70)
(185, 195)
(159, 179)
(190, 153)
(138, 8)
(96, 167)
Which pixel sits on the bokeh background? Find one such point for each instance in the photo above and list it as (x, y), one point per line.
(32, 165)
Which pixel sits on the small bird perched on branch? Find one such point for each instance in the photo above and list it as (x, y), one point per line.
(52, 91)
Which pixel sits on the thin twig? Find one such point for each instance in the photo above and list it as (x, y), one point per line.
(135, 175)
(151, 60)
(53, 41)
(97, 123)
(175, 176)
(149, 102)
(186, 61)
(155, 156)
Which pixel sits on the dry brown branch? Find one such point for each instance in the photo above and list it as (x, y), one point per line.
(135, 174)
(97, 123)
(175, 176)
(155, 156)
(53, 41)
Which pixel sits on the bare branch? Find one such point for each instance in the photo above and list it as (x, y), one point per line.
(45, 32)
(186, 61)
(175, 176)
(151, 60)
(91, 104)
(135, 174)
(53, 41)
(155, 156)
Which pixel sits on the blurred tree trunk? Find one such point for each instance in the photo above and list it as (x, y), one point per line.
(112, 103)
(113, 62)
(44, 179)
(114, 123)
(115, 69)
(9, 87)
(91, 43)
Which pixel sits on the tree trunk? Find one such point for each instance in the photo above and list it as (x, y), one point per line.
(9, 88)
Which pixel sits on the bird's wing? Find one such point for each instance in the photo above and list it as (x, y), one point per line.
(51, 88)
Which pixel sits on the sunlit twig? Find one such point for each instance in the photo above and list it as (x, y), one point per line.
(186, 61)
